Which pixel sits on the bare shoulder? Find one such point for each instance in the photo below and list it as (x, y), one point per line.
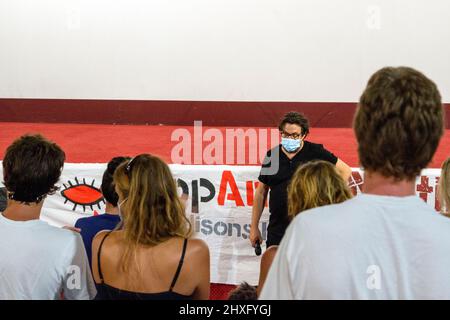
(198, 247)
(198, 244)
(98, 238)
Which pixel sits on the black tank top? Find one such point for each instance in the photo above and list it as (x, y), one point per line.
(106, 292)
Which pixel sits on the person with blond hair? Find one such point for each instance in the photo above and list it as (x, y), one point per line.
(444, 188)
(150, 255)
(314, 184)
(385, 243)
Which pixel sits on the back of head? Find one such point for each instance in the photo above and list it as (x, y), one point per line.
(444, 188)
(152, 210)
(31, 168)
(399, 123)
(315, 184)
(108, 187)
(243, 292)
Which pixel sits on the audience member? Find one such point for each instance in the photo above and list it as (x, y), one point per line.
(243, 292)
(151, 256)
(90, 226)
(314, 184)
(38, 261)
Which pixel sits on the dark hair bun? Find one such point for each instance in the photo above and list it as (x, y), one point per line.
(114, 163)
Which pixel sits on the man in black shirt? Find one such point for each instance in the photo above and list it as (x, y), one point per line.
(292, 152)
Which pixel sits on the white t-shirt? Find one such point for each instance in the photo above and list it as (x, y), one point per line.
(369, 247)
(38, 261)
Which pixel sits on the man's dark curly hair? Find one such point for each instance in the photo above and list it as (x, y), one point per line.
(243, 292)
(108, 186)
(31, 168)
(297, 118)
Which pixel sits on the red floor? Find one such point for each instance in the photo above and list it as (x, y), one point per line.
(99, 143)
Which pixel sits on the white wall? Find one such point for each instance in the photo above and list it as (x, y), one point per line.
(255, 50)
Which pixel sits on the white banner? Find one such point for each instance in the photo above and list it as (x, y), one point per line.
(219, 205)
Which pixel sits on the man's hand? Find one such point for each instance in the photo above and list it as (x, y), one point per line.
(258, 207)
(255, 235)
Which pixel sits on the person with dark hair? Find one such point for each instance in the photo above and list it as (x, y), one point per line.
(244, 291)
(293, 151)
(90, 226)
(38, 261)
(385, 243)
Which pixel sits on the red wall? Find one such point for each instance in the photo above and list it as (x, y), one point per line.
(212, 113)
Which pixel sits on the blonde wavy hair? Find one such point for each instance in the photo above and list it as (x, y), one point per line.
(152, 211)
(444, 188)
(315, 184)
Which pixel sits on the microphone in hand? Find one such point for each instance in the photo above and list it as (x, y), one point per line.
(257, 248)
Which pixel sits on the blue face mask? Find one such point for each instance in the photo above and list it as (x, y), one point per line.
(290, 145)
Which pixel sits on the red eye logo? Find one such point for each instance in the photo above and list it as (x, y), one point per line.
(82, 194)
